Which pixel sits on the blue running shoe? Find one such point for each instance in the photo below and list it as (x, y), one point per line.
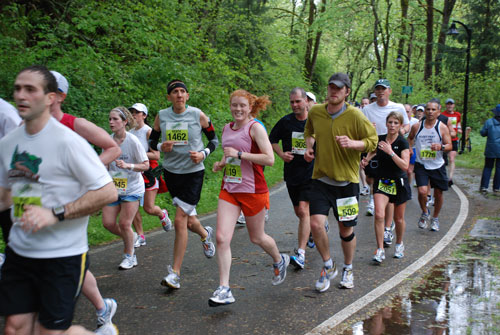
(298, 260)
(311, 243)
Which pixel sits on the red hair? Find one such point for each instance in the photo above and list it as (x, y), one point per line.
(256, 103)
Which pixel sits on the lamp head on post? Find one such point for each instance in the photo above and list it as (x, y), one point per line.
(399, 59)
(453, 29)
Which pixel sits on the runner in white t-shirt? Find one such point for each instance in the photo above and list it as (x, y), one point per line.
(126, 174)
(54, 180)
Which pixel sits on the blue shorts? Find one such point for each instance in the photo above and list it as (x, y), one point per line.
(413, 157)
(127, 198)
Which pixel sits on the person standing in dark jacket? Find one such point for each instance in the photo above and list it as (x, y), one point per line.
(491, 129)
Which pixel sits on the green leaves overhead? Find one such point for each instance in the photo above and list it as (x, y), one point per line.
(121, 52)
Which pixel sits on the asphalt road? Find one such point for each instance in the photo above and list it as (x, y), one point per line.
(146, 307)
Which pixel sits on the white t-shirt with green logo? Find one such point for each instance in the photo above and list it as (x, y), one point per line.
(53, 167)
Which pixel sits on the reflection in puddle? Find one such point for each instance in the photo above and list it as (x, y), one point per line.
(458, 298)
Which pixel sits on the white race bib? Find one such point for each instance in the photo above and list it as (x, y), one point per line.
(298, 143)
(453, 121)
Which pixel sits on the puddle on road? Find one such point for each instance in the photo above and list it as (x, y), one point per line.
(461, 297)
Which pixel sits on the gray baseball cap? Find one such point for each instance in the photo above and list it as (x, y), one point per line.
(340, 80)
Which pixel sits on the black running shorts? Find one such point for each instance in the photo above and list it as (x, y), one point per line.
(47, 286)
(344, 200)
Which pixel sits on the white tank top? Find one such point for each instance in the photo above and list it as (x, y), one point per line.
(431, 160)
(142, 135)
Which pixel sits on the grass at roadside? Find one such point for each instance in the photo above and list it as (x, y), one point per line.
(208, 202)
(475, 158)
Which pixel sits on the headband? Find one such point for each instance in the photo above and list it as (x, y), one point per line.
(176, 84)
(124, 117)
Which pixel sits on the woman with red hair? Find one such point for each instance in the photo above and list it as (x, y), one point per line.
(246, 150)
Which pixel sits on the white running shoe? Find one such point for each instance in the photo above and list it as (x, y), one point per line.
(241, 219)
(327, 274)
(379, 256)
(208, 245)
(430, 201)
(434, 224)
(399, 251)
(388, 236)
(365, 190)
(424, 219)
(165, 221)
(221, 296)
(128, 262)
(280, 270)
(107, 329)
(139, 240)
(370, 209)
(347, 279)
(172, 280)
(110, 310)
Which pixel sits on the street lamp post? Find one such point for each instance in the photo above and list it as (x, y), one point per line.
(453, 31)
(400, 60)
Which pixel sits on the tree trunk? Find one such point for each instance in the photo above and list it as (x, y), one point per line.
(312, 45)
(294, 7)
(386, 38)
(447, 10)
(428, 46)
(375, 38)
(404, 19)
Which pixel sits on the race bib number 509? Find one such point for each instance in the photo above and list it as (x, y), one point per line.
(347, 208)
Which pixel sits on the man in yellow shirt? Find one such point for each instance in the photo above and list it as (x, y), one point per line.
(340, 132)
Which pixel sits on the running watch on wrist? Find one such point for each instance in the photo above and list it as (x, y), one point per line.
(58, 212)
(239, 155)
(442, 147)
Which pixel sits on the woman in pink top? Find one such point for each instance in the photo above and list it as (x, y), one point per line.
(246, 150)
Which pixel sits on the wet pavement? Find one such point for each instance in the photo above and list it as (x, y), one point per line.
(145, 307)
(460, 295)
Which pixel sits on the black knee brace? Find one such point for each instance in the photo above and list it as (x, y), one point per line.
(347, 238)
(6, 224)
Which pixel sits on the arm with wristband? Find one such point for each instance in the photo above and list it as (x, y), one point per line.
(209, 131)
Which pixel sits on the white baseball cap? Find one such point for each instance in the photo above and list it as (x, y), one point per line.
(140, 107)
(311, 96)
(62, 83)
